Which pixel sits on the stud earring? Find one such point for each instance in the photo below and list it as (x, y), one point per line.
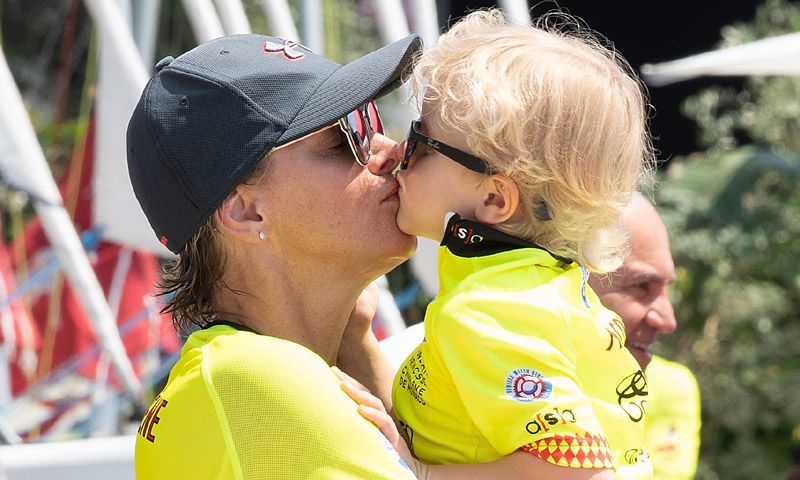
(261, 236)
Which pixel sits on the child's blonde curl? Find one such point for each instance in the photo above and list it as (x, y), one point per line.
(556, 111)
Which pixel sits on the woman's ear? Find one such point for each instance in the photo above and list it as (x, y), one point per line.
(238, 215)
(500, 200)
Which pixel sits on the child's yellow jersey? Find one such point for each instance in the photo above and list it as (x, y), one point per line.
(519, 353)
(672, 425)
(239, 405)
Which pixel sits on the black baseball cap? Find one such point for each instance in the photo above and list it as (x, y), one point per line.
(207, 118)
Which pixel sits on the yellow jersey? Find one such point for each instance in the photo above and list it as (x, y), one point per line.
(672, 425)
(239, 405)
(519, 353)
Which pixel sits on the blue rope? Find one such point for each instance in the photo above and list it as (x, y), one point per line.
(89, 239)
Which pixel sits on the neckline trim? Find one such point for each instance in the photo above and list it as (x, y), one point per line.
(234, 325)
(467, 238)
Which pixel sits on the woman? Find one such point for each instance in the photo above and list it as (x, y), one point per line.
(247, 155)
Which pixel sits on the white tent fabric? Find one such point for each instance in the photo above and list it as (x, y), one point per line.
(771, 56)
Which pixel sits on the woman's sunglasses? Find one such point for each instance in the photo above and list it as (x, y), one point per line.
(358, 127)
(459, 156)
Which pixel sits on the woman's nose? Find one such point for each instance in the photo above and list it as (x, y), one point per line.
(385, 155)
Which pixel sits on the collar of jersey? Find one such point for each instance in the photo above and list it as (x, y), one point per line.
(234, 325)
(466, 238)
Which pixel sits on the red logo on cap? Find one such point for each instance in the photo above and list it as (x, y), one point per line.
(288, 49)
(164, 240)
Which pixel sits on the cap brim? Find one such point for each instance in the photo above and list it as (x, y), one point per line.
(352, 85)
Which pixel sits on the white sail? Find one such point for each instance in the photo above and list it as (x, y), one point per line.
(311, 21)
(206, 25)
(425, 21)
(279, 17)
(233, 17)
(121, 78)
(771, 56)
(23, 163)
(145, 20)
(516, 11)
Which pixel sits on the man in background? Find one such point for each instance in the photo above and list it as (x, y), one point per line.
(637, 291)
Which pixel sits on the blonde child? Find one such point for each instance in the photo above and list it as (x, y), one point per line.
(530, 143)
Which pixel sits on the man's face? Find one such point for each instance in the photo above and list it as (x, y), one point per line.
(325, 207)
(638, 291)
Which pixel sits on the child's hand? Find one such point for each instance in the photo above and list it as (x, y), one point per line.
(371, 408)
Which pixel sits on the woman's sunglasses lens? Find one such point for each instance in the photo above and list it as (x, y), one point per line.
(356, 123)
(374, 117)
(360, 124)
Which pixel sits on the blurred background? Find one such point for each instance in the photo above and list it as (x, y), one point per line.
(728, 188)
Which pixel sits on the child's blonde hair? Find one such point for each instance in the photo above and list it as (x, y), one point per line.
(553, 109)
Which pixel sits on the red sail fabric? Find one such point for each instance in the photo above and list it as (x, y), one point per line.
(19, 337)
(127, 277)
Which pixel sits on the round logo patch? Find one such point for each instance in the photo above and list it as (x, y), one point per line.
(526, 385)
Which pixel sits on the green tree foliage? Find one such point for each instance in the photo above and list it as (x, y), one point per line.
(734, 219)
(766, 110)
(733, 213)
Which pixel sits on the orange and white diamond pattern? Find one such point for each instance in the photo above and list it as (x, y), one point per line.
(586, 451)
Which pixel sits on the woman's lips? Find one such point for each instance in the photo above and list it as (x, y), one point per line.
(392, 195)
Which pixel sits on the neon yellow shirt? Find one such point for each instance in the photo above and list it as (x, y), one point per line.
(239, 405)
(672, 425)
(519, 353)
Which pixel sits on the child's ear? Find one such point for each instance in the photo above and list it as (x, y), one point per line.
(238, 216)
(500, 200)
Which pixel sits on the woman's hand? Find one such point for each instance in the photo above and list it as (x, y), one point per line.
(360, 321)
(360, 353)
